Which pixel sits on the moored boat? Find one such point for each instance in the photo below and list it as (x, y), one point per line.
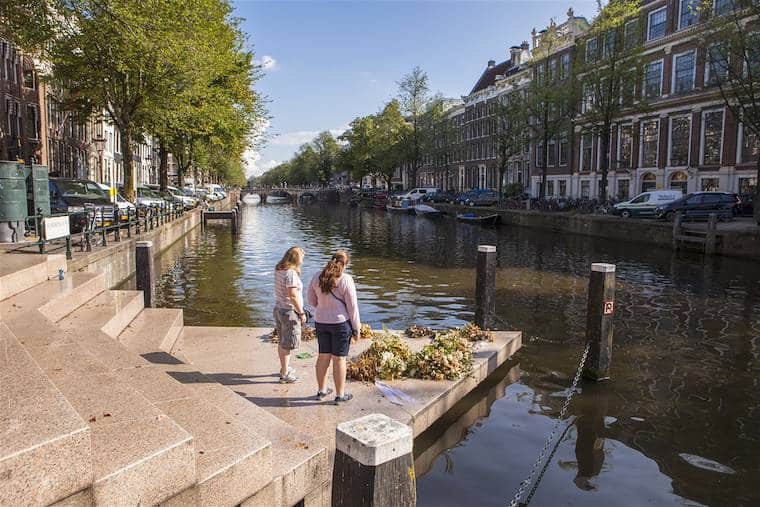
(428, 211)
(479, 219)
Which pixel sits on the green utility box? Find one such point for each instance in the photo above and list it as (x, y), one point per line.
(13, 209)
(38, 190)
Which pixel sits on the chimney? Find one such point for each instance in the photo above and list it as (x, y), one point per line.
(514, 54)
(491, 64)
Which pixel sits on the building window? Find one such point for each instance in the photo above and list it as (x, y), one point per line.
(688, 13)
(585, 189)
(552, 69)
(591, 50)
(551, 153)
(653, 79)
(650, 135)
(716, 67)
(712, 137)
(723, 6)
(683, 76)
(710, 184)
(609, 44)
(586, 151)
(563, 149)
(550, 188)
(632, 33)
(747, 185)
(29, 81)
(749, 146)
(562, 188)
(564, 66)
(623, 189)
(32, 122)
(680, 130)
(679, 180)
(657, 23)
(540, 155)
(588, 97)
(648, 182)
(625, 146)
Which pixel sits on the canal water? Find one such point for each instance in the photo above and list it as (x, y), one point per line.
(678, 424)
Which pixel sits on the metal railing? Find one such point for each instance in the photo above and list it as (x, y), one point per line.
(99, 225)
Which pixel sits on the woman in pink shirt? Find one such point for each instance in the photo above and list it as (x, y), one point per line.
(333, 294)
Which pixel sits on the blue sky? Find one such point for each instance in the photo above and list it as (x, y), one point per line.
(327, 62)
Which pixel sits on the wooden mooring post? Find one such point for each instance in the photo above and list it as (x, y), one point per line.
(373, 464)
(144, 270)
(485, 287)
(599, 313)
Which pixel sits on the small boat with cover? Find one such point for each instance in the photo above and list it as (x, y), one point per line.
(474, 218)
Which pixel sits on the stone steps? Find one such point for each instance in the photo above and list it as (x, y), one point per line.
(153, 331)
(19, 272)
(54, 298)
(109, 312)
(45, 444)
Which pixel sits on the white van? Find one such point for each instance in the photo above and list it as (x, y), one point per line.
(416, 194)
(644, 204)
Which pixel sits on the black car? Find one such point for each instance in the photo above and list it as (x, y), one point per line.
(747, 207)
(438, 197)
(699, 206)
(68, 195)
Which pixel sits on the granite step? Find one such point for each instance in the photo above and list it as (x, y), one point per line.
(233, 462)
(300, 462)
(139, 454)
(45, 445)
(19, 272)
(54, 298)
(109, 312)
(153, 331)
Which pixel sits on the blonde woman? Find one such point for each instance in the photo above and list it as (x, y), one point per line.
(333, 295)
(289, 314)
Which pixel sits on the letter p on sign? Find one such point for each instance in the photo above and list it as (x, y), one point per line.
(608, 308)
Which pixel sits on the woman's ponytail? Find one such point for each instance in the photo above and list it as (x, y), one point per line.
(328, 278)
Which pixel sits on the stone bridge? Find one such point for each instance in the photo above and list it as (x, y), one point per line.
(295, 194)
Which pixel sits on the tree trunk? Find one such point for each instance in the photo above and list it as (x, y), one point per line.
(163, 165)
(756, 202)
(605, 162)
(502, 170)
(129, 175)
(544, 169)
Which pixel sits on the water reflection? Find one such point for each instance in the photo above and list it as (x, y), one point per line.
(685, 363)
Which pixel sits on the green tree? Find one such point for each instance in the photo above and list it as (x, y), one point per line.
(733, 62)
(510, 130)
(390, 135)
(359, 154)
(413, 97)
(550, 100)
(608, 71)
(326, 150)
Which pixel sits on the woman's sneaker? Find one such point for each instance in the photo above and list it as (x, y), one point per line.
(343, 399)
(322, 394)
(289, 378)
(291, 371)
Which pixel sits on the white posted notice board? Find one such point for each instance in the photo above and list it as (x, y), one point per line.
(55, 227)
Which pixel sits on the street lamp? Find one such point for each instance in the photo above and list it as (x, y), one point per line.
(100, 143)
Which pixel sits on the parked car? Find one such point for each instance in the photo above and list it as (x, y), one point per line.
(188, 201)
(416, 194)
(147, 198)
(644, 204)
(171, 201)
(68, 195)
(462, 197)
(483, 198)
(700, 205)
(125, 207)
(217, 189)
(747, 207)
(438, 197)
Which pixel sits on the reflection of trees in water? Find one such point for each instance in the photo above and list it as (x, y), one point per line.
(686, 332)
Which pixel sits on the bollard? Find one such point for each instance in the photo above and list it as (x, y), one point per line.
(485, 287)
(373, 464)
(117, 223)
(144, 272)
(676, 229)
(234, 221)
(712, 225)
(599, 313)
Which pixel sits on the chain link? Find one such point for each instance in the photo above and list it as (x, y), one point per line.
(542, 455)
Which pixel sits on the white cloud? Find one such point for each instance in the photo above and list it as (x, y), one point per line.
(303, 136)
(254, 166)
(267, 63)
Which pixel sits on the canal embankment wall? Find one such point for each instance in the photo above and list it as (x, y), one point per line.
(744, 243)
(117, 260)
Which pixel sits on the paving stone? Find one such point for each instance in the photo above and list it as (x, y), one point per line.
(153, 330)
(111, 312)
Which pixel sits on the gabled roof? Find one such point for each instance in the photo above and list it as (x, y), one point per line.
(489, 75)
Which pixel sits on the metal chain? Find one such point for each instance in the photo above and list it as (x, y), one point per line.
(542, 455)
